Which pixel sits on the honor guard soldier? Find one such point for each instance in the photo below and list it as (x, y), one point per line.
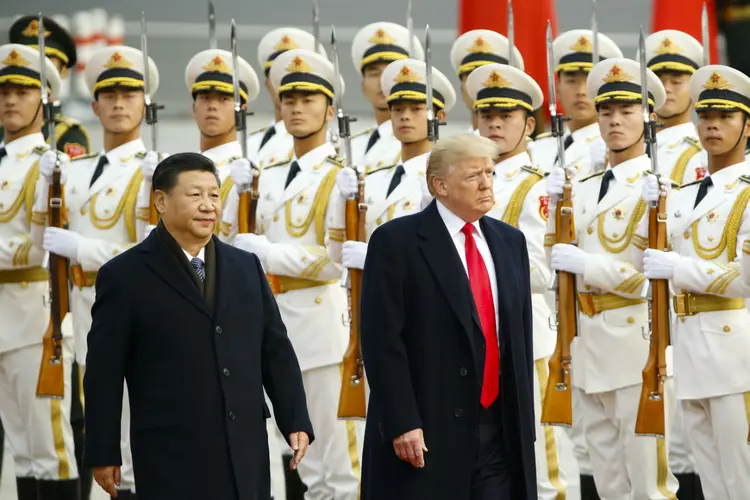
(72, 137)
(293, 213)
(610, 349)
(38, 429)
(395, 190)
(100, 194)
(584, 149)
(674, 56)
(374, 47)
(505, 99)
(708, 221)
(474, 49)
(273, 144)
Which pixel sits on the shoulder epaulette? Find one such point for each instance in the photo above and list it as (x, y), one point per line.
(141, 155)
(258, 130)
(364, 132)
(534, 170)
(543, 135)
(336, 160)
(83, 157)
(745, 178)
(694, 182)
(372, 170)
(591, 176)
(40, 150)
(67, 120)
(232, 158)
(278, 163)
(693, 142)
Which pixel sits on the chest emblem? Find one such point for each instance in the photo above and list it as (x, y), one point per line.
(5, 185)
(700, 173)
(712, 216)
(618, 213)
(544, 206)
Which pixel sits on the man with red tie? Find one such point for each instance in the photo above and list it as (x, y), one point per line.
(447, 343)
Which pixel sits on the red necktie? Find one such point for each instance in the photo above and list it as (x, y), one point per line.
(481, 289)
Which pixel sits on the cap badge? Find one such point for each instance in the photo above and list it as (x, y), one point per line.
(667, 46)
(286, 43)
(480, 46)
(118, 61)
(583, 44)
(407, 75)
(496, 81)
(217, 65)
(717, 82)
(298, 65)
(32, 30)
(617, 74)
(15, 59)
(381, 38)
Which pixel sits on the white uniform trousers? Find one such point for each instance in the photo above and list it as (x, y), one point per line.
(38, 429)
(330, 469)
(681, 459)
(551, 475)
(717, 429)
(276, 443)
(626, 466)
(577, 434)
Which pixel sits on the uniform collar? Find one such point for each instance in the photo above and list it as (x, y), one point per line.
(668, 136)
(453, 222)
(280, 127)
(631, 170)
(123, 152)
(24, 144)
(510, 166)
(586, 132)
(726, 176)
(385, 129)
(224, 151)
(315, 157)
(416, 164)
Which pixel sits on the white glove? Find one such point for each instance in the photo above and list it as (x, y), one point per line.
(147, 230)
(347, 183)
(598, 152)
(652, 188)
(426, 196)
(554, 183)
(353, 254)
(47, 165)
(254, 243)
(242, 171)
(658, 265)
(149, 165)
(568, 258)
(62, 242)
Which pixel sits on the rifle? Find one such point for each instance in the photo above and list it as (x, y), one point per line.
(410, 29)
(212, 43)
(352, 402)
(651, 419)
(51, 381)
(433, 122)
(151, 110)
(557, 405)
(511, 36)
(705, 37)
(248, 203)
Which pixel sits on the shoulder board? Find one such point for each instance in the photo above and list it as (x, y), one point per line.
(534, 170)
(336, 160)
(693, 183)
(378, 169)
(363, 132)
(258, 130)
(745, 178)
(232, 158)
(693, 142)
(543, 135)
(67, 120)
(40, 150)
(83, 157)
(591, 176)
(278, 163)
(141, 155)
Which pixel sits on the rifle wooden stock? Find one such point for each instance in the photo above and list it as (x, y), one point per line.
(557, 406)
(51, 381)
(651, 419)
(248, 207)
(352, 401)
(153, 215)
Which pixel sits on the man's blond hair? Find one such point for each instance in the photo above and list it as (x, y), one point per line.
(451, 150)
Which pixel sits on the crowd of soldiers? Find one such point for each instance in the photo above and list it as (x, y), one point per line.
(303, 185)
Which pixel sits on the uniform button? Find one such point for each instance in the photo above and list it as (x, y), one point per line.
(589, 230)
(231, 415)
(727, 329)
(226, 372)
(218, 330)
(463, 371)
(686, 235)
(631, 320)
(458, 413)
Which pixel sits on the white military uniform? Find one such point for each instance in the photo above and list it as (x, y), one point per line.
(522, 202)
(38, 429)
(384, 152)
(277, 148)
(681, 157)
(614, 316)
(578, 154)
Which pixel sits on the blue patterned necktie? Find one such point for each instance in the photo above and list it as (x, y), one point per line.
(200, 270)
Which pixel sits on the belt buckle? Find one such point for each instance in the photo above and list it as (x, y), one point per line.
(683, 304)
(587, 304)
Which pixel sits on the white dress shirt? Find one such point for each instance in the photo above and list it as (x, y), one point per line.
(201, 255)
(455, 225)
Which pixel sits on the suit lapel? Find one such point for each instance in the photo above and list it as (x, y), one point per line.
(441, 255)
(164, 265)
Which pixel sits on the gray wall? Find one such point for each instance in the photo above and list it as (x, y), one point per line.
(177, 30)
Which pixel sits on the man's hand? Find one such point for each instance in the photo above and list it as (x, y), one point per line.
(62, 242)
(568, 258)
(242, 173)
(410, 447)
(659, 265)
(347, 182)
(47, 165)
(653, 187)
(299, 442)
(353, 254)
(254, 243)
(108, 477)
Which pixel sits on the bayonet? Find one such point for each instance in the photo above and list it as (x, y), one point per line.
(47, 104)
(433, 122)
(151, 107)
(705, 36)
(316, 24)
(240, 117)
(212, 43)
(594, 35)
(650, 126)
(511, 36)
(410, 29)
(344, 132)
(557, 128)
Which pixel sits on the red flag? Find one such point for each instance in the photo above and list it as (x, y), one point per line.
(530, 20)
(685, 16)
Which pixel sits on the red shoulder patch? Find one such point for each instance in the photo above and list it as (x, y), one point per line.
(73, 149)
(544, 206)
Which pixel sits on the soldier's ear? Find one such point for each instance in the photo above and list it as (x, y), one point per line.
(530, 124)
(442, 115)
(747, 125)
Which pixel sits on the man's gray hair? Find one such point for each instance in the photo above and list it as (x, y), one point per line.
(453, 149)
